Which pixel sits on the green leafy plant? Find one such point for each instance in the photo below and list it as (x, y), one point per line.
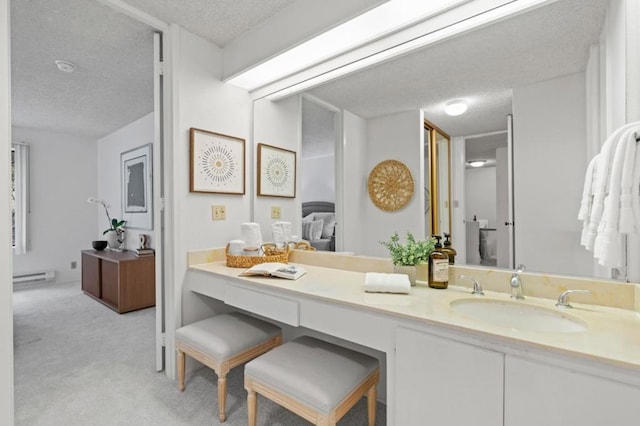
(115, 224)
(411, 253)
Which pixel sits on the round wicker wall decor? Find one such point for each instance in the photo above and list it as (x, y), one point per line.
(390, 185)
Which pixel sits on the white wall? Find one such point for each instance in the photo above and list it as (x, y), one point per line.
(278, 124)
(203, 101)
(549, 163)
(6, 309)
(133, 135)
(63, 175)
(480, 187)
(394, 137)
(318, 181)
(354, 179)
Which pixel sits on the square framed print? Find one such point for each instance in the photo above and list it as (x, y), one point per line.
(137, 194)
(276, 171)
(216, 163)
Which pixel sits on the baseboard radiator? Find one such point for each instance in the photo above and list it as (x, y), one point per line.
(32, 277)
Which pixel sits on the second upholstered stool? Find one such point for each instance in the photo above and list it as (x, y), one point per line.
(317, 380)
(223, 342)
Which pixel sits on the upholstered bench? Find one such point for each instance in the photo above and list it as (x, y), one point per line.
(223, 342)
(317, 380)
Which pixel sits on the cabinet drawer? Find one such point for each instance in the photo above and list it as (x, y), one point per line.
(267, 305)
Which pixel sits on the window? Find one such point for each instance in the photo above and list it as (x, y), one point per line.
(20, 197)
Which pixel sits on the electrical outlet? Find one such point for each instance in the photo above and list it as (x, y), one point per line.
(218, 213)
(74, 264)
(275, 212)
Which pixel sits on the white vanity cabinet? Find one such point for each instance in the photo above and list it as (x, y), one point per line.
(443, 382)
(539, 394)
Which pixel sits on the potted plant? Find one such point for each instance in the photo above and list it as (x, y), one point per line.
(406, 257)
(115, 232)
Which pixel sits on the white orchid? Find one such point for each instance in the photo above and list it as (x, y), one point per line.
(114, 224)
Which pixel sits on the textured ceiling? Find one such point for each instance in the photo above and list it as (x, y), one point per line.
(318, 130)
(219, 21)
(113, 84)
(481, 67)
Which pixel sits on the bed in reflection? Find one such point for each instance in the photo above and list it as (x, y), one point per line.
(319, 224)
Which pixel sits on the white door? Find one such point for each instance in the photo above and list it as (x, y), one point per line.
(158, 195)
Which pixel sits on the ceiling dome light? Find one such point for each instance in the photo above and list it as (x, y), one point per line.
(456, 107)
(476, 163)
(65, 66)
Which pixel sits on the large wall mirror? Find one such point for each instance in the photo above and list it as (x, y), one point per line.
(545, 68)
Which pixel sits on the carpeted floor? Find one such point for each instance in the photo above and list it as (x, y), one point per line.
(79, 363)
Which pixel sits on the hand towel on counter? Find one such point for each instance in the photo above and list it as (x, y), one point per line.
(377, 282)
(251, 234)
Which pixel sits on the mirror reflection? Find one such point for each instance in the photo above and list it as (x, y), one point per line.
(541, 67)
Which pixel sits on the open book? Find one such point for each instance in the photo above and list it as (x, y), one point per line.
(275, 269)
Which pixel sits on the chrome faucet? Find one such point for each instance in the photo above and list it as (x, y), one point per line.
(477, 288)
(516, 284)
(563, 299)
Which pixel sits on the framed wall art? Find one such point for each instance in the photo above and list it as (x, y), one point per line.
(137, 195)
(216, 163)
(276, 171)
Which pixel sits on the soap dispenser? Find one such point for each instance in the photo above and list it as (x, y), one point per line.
(438, 266)
(448, 249)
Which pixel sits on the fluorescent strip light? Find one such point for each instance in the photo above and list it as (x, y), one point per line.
(417, 43)
(373, 24)
(476, 163)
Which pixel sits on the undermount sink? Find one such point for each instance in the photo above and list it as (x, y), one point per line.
(518, 315)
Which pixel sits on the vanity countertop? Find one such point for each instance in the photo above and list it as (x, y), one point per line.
(612, 336)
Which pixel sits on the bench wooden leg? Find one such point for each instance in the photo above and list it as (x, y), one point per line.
(252, 407)
(222, 398)
(180, 362)
(371, 404)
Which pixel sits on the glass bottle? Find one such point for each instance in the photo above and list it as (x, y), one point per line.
(450, 251)
(438, 266)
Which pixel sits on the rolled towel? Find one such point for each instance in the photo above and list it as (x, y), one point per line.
(376, 282)
(251, 234)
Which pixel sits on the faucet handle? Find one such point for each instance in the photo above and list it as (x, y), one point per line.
(563, 299)
(520, 268)
(477, 288)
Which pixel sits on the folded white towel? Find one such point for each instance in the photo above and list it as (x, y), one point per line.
(251, 234)
(376, 282)
(587, 190)
(281, 233)
(635, 197)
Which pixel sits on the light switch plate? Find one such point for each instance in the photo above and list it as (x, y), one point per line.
(218, 213)
(275, 212)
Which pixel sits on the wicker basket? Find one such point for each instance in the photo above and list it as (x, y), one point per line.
(270, 253)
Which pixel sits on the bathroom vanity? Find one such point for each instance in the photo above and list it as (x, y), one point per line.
(446, 366)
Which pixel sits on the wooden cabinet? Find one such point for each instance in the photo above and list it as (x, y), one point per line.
(539, 394)
(444, 382)
(120, 280)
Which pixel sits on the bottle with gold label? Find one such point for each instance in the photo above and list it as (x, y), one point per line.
(438, 266)
(448, 249)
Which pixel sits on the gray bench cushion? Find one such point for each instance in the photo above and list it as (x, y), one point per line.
(226, 335)
(312, 371)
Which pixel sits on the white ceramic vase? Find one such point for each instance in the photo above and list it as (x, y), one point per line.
(115, 239)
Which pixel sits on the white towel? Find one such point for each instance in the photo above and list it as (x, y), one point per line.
(587, 202)
(635, 200)
(627, 223)
(376, 282)
(605, 246)
(251, 234)
(601, 181)
(587, 190)
(281, 233)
